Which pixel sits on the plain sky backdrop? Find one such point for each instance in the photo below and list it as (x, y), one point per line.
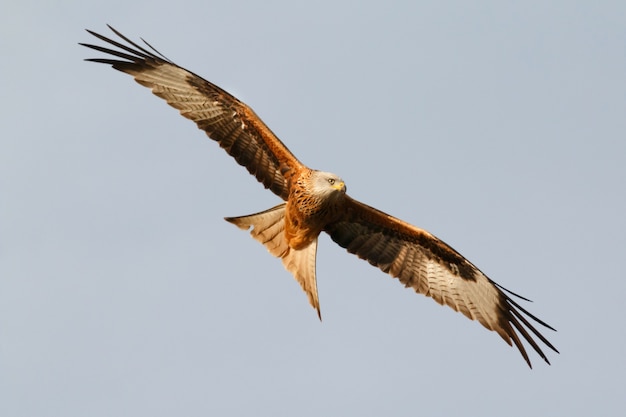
(498, 126)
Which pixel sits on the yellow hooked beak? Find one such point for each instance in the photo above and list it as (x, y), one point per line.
(339, 186)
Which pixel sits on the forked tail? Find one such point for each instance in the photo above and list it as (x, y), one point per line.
(268, 227)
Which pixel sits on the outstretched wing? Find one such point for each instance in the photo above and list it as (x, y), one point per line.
(431, 267)
(225, 119)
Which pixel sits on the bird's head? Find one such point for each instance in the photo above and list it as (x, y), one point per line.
(327, 184)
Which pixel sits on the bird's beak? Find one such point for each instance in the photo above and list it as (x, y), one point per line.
(340, 186)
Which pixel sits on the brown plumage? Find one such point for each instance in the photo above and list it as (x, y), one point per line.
(316, 201)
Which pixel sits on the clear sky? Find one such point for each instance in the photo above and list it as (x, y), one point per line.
(498, 126)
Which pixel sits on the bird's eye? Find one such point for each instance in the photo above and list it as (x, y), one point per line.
(331, 181)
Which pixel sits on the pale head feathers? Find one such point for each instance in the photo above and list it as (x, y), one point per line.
(326, 184)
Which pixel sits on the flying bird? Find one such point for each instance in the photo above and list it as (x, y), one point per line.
(316, 201)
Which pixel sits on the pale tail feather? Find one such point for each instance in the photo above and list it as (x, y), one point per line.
(301, 263)
(268, 228)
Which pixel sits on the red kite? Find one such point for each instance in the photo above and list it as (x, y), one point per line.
(316, 201)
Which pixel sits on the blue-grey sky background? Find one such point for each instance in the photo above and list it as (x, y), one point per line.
(497, 126)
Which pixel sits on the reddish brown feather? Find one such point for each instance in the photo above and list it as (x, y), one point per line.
(224, 118)
(404, 251)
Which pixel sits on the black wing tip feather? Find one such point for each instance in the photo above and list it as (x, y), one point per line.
(517, 322)
(134, 53)
(516, 314)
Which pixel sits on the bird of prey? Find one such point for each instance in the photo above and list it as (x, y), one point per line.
(316, 201)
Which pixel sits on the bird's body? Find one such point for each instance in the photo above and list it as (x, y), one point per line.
(290, 230)
(316, 202)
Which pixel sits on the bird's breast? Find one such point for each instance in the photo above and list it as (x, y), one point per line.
(301, 228)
